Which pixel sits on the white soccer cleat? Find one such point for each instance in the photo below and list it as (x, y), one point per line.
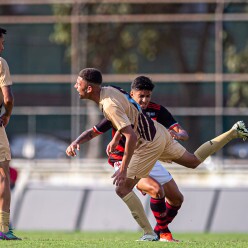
(241, 130)
(149, 237)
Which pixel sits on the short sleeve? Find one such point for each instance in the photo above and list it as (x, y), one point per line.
(5, 78)
(165, 118)
(116, 115)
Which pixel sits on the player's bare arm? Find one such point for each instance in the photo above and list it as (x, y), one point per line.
(83, 138)
(179, 133)
(131, 139)
(8, 102)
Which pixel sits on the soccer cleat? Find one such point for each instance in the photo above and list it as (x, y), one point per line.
(241, 129)
(149, 237)
(8, 236)
(167, 237)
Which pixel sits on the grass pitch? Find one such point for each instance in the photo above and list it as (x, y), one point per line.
(122, 239)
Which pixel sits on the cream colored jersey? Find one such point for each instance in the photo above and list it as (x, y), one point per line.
(155, 142)
(5, 78)
(118, 107)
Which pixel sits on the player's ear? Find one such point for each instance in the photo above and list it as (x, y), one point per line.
(131, 93)
(89, 89)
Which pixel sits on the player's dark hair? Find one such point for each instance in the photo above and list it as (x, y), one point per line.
(142, 83)
(2, 31)
(91, 75)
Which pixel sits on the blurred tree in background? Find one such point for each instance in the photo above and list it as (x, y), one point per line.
(125, 48)
(237, 62)
(170, 47)
(109, 46)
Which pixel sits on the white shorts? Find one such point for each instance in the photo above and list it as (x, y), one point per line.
(158, 172)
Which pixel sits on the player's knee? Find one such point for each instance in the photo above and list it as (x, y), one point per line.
(194, 164)
(118, 191)
(177, 201)
(121, 191)
(180, 199)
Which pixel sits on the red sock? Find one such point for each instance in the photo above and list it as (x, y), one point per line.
(158, 208)
(164, 213)
(171, 212)
(157, 229)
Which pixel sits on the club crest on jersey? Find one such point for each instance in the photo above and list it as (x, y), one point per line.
(150, 114)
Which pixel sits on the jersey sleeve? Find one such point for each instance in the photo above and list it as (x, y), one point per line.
(166, 118)
(116, 115)
(5, 78)
(103, 126)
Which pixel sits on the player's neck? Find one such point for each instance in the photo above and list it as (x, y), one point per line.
(95, 96)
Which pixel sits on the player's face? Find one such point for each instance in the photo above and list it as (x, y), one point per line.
(81, 87)
(1, 43)
(142, 97)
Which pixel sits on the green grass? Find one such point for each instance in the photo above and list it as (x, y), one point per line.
(122, 239)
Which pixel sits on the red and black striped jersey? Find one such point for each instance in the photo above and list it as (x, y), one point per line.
(155, 111)
(161, 114)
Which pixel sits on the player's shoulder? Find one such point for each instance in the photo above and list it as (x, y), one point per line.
(154, 106)
(3, 61)
(113, 94)
(107, 99)
(110, 91)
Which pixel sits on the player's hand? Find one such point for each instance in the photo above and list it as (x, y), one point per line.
(111, 147)
(175, 135)
(4, 120)
(71, 149)
(119, 177)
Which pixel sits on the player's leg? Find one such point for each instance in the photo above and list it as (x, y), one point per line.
(157, 201)
(125, 192)
(237, 131)
(188, 160)
(210, 147)
(5, 232)
(151, 187)
(141, 164)
(172, 193)
(164, 212)
(4, 183)
(174, 201)
(4, 196)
